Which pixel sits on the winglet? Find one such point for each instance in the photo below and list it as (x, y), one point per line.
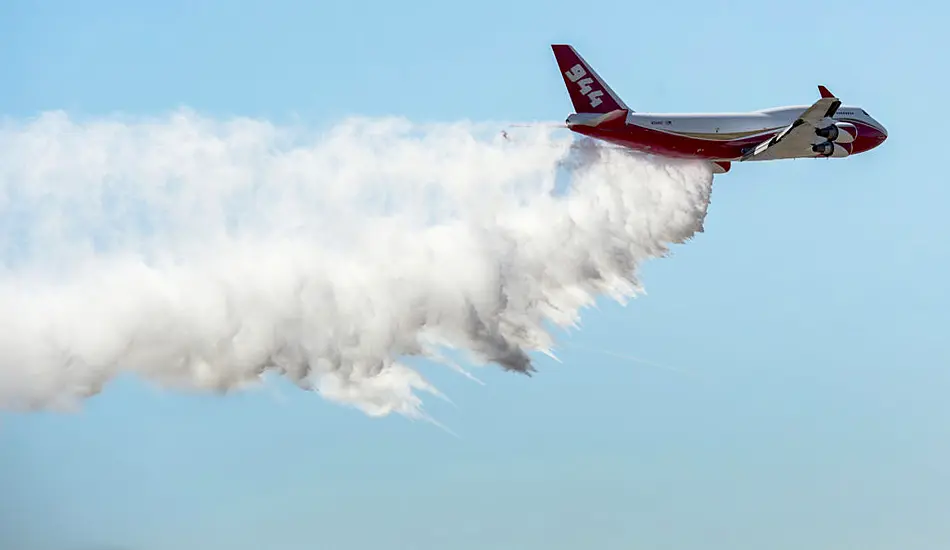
(824, 91)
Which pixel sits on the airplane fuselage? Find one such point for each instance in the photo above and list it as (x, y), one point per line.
(720, 136)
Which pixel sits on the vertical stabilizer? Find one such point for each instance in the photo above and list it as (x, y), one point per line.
(589, 93)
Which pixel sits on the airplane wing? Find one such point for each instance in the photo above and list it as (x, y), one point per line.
(798, 137)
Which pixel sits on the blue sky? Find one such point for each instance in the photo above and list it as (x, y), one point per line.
(811, 315)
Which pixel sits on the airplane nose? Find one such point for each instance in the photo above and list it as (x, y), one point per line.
(869, 136)
(877, 134)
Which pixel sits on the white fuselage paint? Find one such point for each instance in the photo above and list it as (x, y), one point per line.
(721, 125)
(716, 124)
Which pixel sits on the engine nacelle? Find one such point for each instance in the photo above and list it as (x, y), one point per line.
(829, 149)
(839, 132)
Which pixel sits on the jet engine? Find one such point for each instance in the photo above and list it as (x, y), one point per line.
(830, 149)
(839, 132)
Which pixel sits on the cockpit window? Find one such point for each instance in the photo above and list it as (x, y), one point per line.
(863, 112)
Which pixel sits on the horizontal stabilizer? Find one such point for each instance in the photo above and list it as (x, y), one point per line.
(614, 119)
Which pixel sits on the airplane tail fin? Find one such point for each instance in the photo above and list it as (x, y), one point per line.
(589, 93)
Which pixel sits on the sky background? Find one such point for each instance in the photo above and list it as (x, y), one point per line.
(810, 317)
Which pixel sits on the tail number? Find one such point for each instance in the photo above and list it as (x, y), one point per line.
(576, 75)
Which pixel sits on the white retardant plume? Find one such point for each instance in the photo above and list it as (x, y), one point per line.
(201, 254)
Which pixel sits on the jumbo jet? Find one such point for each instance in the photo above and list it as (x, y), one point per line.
(824, 129)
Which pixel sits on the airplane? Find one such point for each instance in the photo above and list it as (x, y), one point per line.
(824, 129)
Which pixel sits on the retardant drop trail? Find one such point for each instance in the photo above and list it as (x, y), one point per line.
(199, 253)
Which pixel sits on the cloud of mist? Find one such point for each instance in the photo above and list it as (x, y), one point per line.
(200, 253)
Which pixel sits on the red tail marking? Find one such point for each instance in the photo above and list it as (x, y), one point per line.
(588, 92)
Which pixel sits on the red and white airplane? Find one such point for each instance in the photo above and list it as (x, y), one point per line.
(824, 129)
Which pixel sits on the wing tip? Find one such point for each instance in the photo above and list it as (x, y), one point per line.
(825, 92)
